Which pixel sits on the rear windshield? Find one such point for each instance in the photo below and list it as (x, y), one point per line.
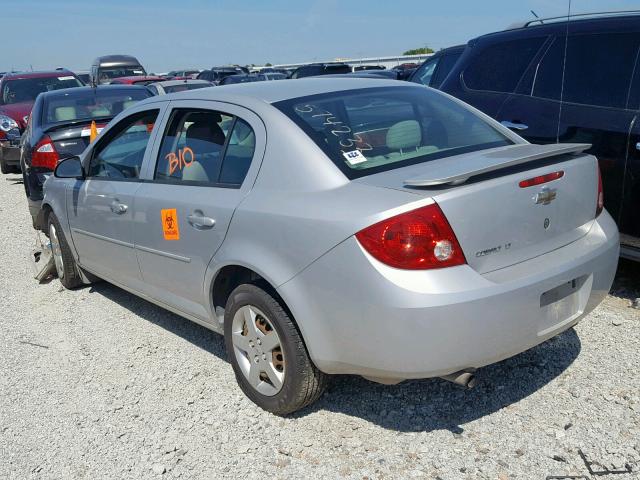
(372, 130)
(89, 104)
(27, 89)
(184, 87)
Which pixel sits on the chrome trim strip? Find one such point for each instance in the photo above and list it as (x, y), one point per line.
(102, 237)
(164, 254)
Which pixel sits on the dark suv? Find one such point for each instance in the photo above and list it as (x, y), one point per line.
(316, 69)
(567, 80)
(216, 74)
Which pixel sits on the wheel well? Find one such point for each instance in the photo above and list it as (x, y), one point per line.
(46, 211)
(230, 277)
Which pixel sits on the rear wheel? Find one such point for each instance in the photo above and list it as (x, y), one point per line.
(4, 168)
(267, 353)
(66, 267)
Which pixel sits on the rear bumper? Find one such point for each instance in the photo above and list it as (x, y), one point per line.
(9, 153)
(358, 316)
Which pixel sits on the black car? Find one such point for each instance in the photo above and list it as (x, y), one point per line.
(435, 69)
(216, 75)
(315, 69)
(567, 80)
(373, 74)
(231, 79)
(60, 126)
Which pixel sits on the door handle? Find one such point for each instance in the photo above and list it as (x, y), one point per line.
(118, 208)
(514, 125)
(638, 146)
(198, 220)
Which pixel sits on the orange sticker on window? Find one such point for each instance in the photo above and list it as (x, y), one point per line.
(170, 228)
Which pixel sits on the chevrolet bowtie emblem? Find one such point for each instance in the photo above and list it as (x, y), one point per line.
(545, 196)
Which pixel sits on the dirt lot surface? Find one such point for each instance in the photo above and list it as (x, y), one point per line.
(98, 384)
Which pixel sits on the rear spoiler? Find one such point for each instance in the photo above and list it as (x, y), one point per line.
(466, 166)
(77, 123)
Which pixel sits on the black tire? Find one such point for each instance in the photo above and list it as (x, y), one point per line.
(4, 168)
(70, 276)
(303, 383)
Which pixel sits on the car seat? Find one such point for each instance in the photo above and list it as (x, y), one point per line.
(65, 114)
(205, 138)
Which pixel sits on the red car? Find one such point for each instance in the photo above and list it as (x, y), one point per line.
(137, 80)
(18, 91)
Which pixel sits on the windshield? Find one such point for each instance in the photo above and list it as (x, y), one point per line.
(89, 104)
(107, 74)
(27, 89)
(371, 130)
(184, 87)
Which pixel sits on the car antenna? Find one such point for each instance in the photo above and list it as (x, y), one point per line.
(536, 15)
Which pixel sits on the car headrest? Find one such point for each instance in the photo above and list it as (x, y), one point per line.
(205, 117)
(64, 114)
(208, 131)
(128, 103)
(405, 134)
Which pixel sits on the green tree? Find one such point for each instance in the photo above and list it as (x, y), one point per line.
(419, 51)
(268, 65)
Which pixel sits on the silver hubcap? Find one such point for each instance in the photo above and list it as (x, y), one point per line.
(257, 348)
(56, 251)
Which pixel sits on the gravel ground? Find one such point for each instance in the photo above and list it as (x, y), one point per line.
(97, 383)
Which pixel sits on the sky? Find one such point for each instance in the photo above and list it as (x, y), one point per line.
(173, 34)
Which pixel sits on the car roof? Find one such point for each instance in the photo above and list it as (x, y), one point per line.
(271, 92)
(110, 60)
(586, 17)
(451, 49)
(79, 91)
(558, 23)
(138, 78)
(172, 83)
(40, 74)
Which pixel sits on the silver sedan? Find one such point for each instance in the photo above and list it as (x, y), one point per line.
(337, 226)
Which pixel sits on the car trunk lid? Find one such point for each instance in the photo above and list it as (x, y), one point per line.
(71, 140)
(498, 222)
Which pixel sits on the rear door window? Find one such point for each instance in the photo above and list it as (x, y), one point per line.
(205, 147)
(445, 66)
(371, 130)
(547, 76)
(599, 68)
(499, 67)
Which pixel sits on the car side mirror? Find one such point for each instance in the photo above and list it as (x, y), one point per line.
(69, 168)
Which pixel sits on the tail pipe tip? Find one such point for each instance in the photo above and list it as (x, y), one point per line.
(463, 378)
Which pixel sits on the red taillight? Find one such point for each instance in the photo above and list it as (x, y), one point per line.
(600, 201)
(44, 154)
(417, 240)
(532, 182)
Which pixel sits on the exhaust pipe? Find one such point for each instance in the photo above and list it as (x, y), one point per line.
(463, 378)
